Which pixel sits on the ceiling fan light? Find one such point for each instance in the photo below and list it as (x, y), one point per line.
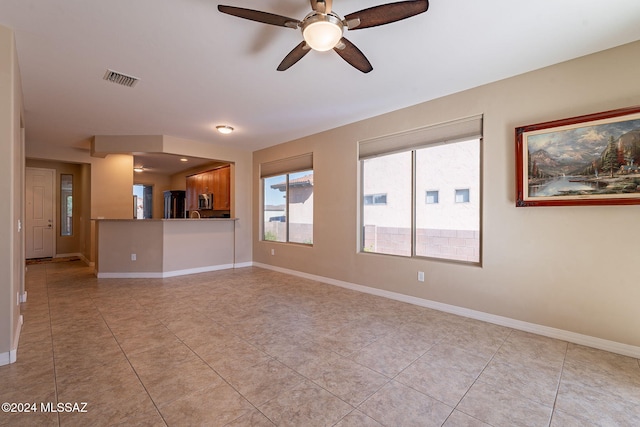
(322, 32)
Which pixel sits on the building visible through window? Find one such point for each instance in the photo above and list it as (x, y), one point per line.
(288, 207)
(431, 182)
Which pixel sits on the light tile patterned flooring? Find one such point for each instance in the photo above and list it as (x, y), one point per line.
(252, 347)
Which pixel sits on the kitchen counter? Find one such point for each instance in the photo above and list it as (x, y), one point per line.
(157, 248)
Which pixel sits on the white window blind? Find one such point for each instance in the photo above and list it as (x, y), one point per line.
(452, 131)
(288, 165)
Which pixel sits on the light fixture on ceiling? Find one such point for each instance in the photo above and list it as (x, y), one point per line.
(224, 129)
(138, 169)
(184, 159)
(322, 31)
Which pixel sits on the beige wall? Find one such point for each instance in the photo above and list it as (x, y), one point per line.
(112, 187)
(12, 190)
(120, 239)
(163, 247)
(570, 268)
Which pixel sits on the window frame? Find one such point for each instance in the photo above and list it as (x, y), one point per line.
(426, 197)
(460, 130)
(465, 193)
(285, 167)
(374, 197)
(65, 198)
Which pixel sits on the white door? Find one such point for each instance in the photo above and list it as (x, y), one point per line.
(39, 216)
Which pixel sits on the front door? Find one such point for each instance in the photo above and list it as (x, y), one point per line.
(39, 215)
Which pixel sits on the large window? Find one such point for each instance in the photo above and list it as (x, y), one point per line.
(416, 220)
(288, 200)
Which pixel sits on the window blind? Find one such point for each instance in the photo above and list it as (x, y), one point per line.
(288, 165)
(452, 131)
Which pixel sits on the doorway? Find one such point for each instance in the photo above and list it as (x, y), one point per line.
(40, 223)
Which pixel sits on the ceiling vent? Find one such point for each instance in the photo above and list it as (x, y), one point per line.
(121, 79)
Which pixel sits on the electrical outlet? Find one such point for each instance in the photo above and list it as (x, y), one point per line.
(420, 276)
(133, 257)
(273, 251)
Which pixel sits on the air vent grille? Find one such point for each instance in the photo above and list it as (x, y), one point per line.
(121, 79)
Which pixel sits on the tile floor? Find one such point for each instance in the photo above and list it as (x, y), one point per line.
(252, 347)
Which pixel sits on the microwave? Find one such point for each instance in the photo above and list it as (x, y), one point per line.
(205, 201)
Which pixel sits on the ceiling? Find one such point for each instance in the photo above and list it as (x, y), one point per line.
(169, 164)
(199, 68)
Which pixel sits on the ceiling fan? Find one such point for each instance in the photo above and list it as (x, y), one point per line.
(322, 28)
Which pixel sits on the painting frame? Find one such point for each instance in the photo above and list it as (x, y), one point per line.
(604, 172)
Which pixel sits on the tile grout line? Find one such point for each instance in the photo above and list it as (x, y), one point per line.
(124, 353)
(288, 367)
(53, 350)
(555, 399)
(511, 331)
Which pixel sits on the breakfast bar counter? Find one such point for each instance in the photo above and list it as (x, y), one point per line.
(156, 248)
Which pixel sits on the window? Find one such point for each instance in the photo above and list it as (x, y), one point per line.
(431, 197)
(142, 201)
(375, 199)
(387, 228)
(288, 200)
(403, 167)
(66, 205)
(462, 196)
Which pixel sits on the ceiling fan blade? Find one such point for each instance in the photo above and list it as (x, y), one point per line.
(321, 6)
(258, 16)
(385, 14)
(350, 53)
(294, 56)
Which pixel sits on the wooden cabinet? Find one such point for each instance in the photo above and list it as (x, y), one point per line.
(206, 183)
(192, 193)
(216, 181)
(221, 178)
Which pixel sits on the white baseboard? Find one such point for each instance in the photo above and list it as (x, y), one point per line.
(8, 357)
(11, 356)
(163, 274)
(243, 264)
(586, 340)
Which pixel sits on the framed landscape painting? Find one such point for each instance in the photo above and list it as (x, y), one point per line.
(586, 160)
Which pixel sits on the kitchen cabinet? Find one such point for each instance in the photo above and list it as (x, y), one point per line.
(216, 181)
(192, 193)
(221, 182)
